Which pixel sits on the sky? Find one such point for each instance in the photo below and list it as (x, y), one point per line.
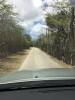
(31, 15)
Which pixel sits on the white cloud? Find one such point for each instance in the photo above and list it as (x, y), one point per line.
(37, 30)
(26, 8)
(30, 14)
(37, 3)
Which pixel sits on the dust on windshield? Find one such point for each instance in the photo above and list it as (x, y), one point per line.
(36, 34)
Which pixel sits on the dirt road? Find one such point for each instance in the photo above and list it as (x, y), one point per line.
(37, 59)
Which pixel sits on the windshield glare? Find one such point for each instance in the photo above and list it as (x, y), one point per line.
(36, 35)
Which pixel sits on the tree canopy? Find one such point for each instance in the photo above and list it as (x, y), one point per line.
(12, 35)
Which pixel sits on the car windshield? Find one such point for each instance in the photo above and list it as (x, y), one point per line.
(37, 36)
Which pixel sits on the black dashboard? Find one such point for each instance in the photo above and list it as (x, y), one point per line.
(56, 93)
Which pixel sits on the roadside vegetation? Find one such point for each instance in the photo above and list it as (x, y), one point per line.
(59, 39)
(13, 37)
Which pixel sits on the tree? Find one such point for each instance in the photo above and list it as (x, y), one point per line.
(59, 41)
(12, 38)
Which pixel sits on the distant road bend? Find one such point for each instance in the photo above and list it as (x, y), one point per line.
(37, 59)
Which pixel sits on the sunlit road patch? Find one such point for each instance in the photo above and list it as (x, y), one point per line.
(37, 59)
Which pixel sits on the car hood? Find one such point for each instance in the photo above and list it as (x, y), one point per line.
(35, 75)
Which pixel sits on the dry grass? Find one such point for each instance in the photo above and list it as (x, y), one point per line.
(61, 62)
(13, 62)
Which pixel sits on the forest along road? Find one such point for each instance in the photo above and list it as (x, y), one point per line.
(37, 59)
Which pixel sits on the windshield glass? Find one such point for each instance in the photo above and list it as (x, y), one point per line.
(37, 35)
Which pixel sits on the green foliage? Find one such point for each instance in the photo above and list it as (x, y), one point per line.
(12, 35)
(60, 19)
(58, 42)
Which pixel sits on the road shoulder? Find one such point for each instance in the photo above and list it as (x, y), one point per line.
(12, 63)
